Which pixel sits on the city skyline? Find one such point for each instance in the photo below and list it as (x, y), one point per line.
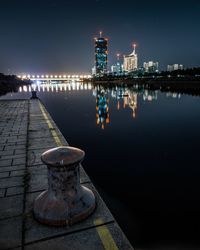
(57, 36)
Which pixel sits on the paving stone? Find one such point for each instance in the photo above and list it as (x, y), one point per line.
(43, 126)
(5, 157)
(10, 233)
(7, 152)
(16, 147)
(19, 161)
(21, 143)
(11, 182)
(9, 147)
(40, 134)
(22, 136)
(17, 173)
(20, 151)
(4, 174)
(12, 168)
(5, 163)
(38, 178)
(11, 206)
(2, 192)
(43, 145)
(40, 141)
(15, 191)
(88, 239)
(12, 138)
(3, 140)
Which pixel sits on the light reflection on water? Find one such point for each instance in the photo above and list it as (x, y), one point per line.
(142, 153)
(127, 97)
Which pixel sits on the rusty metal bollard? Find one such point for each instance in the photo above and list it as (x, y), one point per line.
(34, 94)
(66, 201)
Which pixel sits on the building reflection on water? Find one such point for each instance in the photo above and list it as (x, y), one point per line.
(125, 97)
(102, 107)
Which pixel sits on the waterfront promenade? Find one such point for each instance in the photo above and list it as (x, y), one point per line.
(26, 131)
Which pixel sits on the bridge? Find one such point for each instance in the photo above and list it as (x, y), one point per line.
(45, 87)
(51, 78)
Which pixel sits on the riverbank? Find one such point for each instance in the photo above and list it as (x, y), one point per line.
(27, 130)
(185, 85)
(10, 83)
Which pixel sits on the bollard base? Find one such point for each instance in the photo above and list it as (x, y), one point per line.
(34, 94)
(64, 212)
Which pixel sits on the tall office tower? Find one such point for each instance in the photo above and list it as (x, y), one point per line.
(131, 61)
(117, 68)
(94, 71)
(150, 67)
(101, 55)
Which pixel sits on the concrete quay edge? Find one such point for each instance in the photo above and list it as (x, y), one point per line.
(26, 131)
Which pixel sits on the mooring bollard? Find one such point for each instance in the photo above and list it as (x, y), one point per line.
(66, 201)
(34, 94)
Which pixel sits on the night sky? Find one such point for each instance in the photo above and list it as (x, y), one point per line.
(56, 36)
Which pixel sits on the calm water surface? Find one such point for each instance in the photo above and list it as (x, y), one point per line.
(142, 153)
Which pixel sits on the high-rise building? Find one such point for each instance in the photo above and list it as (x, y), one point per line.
(94, 71)
(150, 67)
(173, 67)
(101, 55)
(117, 69)
(131, 61)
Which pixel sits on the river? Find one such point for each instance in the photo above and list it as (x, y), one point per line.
(142, 154)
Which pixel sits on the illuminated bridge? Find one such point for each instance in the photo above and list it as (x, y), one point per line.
(52, 78)
(57, 87)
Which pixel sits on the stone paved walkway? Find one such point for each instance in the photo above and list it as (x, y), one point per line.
(26, 131)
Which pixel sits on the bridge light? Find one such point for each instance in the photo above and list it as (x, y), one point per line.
(68, 76)
(33, 76)
(55, 76)
(51, 76)
(24, 76)
(19, 76)
(28, 76)
(38, 76)
(60, 76)
(64, 76)
(47, 76)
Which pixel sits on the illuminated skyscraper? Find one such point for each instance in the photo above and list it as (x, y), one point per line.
(101, 55)
(117, 68)
(131, 61)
